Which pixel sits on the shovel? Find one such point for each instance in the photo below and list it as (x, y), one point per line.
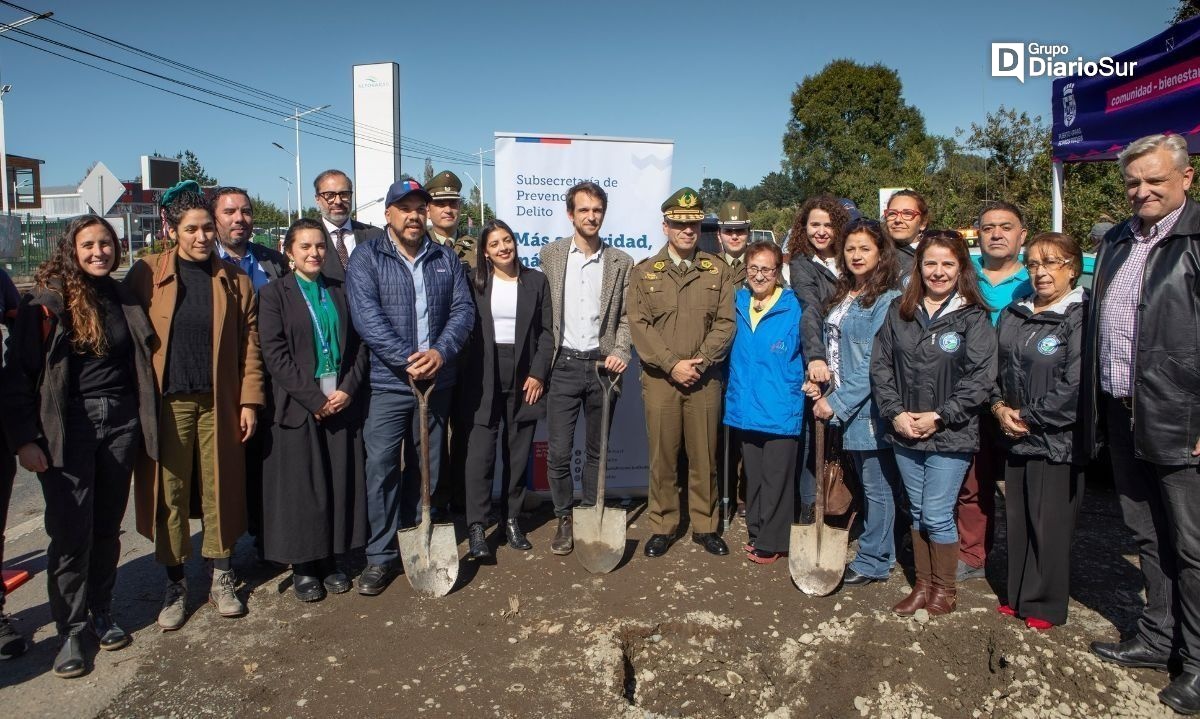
(817, 553)
(429, 552)
(599, 530)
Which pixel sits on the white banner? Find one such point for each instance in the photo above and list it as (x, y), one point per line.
(376, 137)
(533, 174)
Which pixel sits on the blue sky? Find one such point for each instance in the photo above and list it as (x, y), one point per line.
(715, 77)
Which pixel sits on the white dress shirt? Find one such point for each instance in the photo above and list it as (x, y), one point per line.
(581, 300)
(347, 236)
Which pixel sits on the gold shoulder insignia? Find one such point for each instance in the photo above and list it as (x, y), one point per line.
(706, 265)
(660, 265)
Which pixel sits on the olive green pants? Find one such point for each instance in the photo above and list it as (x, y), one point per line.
(187, 453)
(686, 419)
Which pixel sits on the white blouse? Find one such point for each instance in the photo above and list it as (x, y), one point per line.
(504, 310)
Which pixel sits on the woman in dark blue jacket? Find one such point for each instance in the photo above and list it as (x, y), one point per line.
(764, 400)
(932, 371)
(860, 302)
(1036, 401)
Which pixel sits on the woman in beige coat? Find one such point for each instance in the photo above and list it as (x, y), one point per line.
(208, 372)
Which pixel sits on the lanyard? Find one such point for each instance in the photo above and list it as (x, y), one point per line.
(321, 335)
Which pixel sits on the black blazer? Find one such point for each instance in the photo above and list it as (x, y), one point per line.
(533, 347)
(285, 333)
(363, 233)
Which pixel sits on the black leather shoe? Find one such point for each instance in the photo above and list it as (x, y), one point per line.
(564, 536)
(516, 538)
(12, 644)
(1131, 653)
(657, 545)
(308, 588)
(374, 579)
(851, 578)
(477, 548)
(336, 582)
(70, 662)
(1183, 694)
(712, 543)
(112, 637)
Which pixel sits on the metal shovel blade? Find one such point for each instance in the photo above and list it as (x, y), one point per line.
(430, 555)
(817, 557)
(599, 537)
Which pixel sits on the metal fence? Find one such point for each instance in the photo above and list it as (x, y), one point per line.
(38, 239)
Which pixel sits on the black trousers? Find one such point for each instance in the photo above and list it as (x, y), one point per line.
(1041, 506)
(516, 438)
(770, 462)
(575, 385)
(85, 502)
(1161, 506)
(8, 474)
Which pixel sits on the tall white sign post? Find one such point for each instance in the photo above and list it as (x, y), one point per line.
(376, 136)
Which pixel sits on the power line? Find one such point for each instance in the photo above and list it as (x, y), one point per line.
(205, 102)
(434, 150)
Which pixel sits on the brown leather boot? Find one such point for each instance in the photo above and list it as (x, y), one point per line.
(943, 597)
(921, 588)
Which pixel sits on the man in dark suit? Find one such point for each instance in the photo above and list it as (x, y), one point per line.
(588, 280)
(335, 200)
(234, 215)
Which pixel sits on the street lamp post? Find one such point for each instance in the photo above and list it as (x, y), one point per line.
(481, 202)
(299, 183)
(288, 195)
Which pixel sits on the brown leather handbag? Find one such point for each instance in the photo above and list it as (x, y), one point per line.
(838, 475)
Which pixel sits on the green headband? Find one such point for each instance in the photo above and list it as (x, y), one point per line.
(180, 187)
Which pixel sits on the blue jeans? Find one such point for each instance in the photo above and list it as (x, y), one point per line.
(394, 497)
(877, 472)
(932, 481)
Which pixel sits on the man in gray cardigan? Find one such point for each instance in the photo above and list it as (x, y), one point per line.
(588, 280)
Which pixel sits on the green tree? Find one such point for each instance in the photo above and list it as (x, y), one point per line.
(428, 170)
(468, 219)
(851, 132)
(191, 169)
(1187, 10)
(1010, 141)
(714, 191)
(267, 214)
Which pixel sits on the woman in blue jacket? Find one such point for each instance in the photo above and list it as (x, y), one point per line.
(868, 270)
(764, 399)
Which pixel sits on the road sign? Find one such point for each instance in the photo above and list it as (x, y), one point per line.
(101, 189)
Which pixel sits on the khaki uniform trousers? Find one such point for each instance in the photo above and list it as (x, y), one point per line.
(687, 418)
(187, 443)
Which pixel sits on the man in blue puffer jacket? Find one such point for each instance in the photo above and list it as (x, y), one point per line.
(411, 304)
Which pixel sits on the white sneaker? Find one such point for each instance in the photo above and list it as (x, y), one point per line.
(223, 596)
(174, 609)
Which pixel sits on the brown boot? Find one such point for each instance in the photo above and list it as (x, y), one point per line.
(920, 591)
(944, 595)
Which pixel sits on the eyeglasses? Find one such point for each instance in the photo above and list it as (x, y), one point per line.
(754, 271)
(1050, 264)
(344, 196)
(905, 214)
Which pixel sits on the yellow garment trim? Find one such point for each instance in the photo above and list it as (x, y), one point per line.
(758, 309)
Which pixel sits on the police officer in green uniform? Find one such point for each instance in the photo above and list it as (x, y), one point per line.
(444, 209)
(733, 230)
(680, 308)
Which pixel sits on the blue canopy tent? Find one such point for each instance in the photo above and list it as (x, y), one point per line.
(1096, 117)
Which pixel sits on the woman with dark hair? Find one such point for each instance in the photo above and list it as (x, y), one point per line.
(764, 401)
(904, 219)
(208, 372)
(505, 376)
(860, 302)
(1036, 401)
(79, 401)
(932, 369)
(814, 274)
(314, 491)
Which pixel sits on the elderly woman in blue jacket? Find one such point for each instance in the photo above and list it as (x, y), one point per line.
(764, 401)
(868, 270)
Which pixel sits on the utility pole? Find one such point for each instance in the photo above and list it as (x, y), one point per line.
(481, 153)
(299, 182)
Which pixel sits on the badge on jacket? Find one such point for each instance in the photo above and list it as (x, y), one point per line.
(1049, 345)
(950, 342)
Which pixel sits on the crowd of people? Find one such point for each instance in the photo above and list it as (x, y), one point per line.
(277, 393)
